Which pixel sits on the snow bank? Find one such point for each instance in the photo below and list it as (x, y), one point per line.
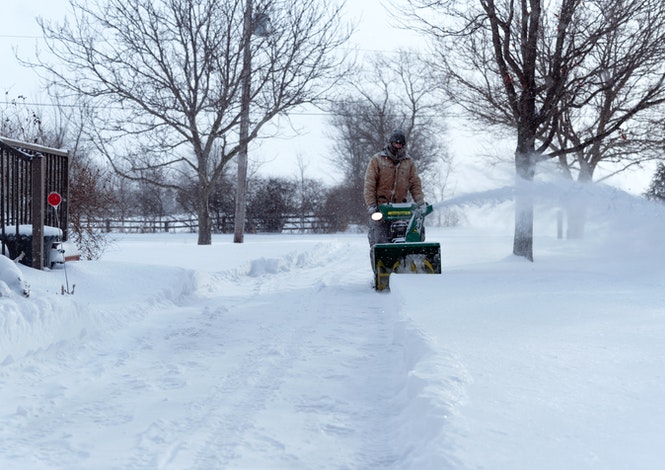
(49, 317)
(11, 279)
(277, 353)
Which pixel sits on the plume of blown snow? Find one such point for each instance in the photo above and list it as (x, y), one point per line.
(617, 223)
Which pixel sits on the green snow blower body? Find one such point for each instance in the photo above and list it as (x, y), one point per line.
(407, 251)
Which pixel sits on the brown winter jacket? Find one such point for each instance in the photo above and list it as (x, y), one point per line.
(387, 180)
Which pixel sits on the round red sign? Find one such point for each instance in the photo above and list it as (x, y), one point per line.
(54, 199)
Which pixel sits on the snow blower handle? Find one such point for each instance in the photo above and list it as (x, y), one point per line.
(422, 209)
(400, 211)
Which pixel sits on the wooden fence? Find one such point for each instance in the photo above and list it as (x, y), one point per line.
(289, 224)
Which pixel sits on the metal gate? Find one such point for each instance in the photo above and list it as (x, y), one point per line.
(28, 173)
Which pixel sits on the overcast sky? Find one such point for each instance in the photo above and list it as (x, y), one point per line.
(20, 33)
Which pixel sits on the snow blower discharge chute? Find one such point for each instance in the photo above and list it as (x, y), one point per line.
(407, 251)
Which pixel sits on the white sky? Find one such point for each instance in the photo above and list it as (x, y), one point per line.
(375, 32)
(21, 34)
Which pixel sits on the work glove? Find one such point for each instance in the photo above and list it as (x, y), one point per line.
(372, 209)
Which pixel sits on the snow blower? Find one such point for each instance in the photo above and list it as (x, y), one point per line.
(407, 251)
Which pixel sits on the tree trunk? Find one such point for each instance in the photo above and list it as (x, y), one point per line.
(578, 206)
(525, 171)
(577, 212)
(205, 228)
(205, 225)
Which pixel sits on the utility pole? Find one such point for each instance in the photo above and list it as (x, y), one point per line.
(241, 190)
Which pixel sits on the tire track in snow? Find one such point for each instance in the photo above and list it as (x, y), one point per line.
(351, 398)
(314, 382)
(321, 329)
(290, 365)
(245, 391)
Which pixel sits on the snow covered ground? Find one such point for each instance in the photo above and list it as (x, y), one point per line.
(277, 354)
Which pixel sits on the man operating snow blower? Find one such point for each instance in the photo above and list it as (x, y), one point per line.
(396, 230)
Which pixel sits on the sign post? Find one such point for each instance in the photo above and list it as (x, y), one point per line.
(54, 199)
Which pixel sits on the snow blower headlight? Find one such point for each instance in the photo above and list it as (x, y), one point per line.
(376, 216)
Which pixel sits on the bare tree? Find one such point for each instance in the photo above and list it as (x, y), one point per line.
(391, 91)
(310, 193)
(91, 193)
(614, 101)
(616, 92)
(491, 55)
(524, 65)
(22, 121)
(166, 78)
